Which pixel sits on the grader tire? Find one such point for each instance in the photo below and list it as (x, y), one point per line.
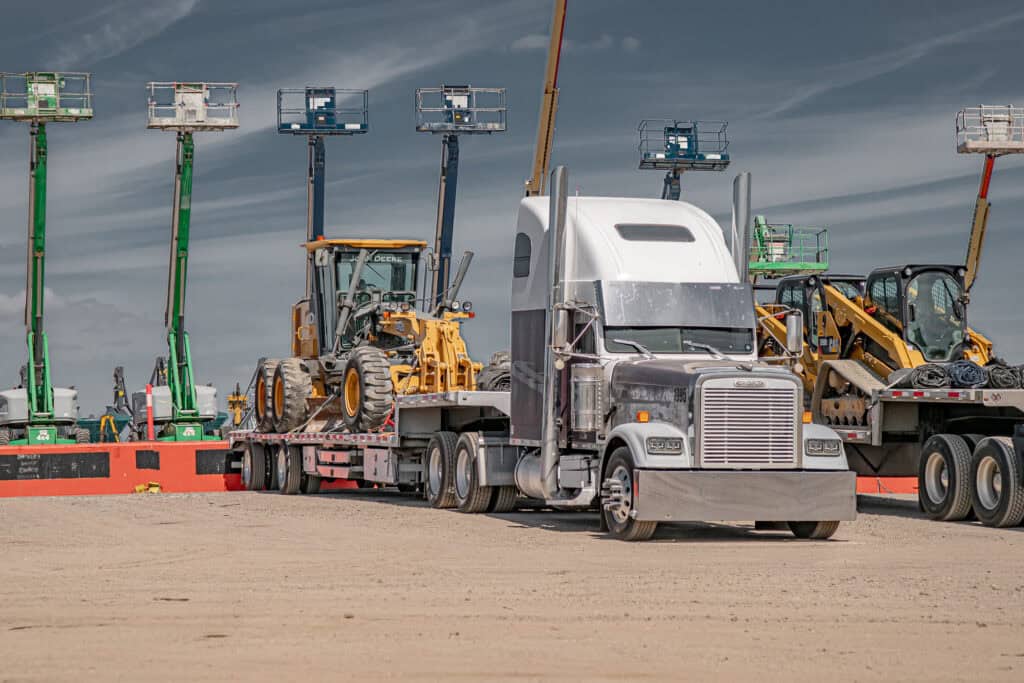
(292, 386)
(367, 391)
(497, 375)
(263, 395)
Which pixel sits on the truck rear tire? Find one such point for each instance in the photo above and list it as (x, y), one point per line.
(615, 511)
(367, 391)
(289, 469)
(292, 386)
(998, 479)
(944, 478)
(263, 394)
(818, 531)
(254, 468)
(438, 470)
(310, 484)
(470, 497)
(504, 499)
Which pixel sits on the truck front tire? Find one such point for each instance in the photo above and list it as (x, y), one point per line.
(998, 478)
(616, 509)
(944, 478)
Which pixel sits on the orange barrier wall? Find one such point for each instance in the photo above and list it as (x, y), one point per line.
(880, 485)
(94, 469)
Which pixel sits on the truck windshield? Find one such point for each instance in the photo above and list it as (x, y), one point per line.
(935, 322)
(387, 271)
(677, 339)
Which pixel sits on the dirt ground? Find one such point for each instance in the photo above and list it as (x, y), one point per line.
(369, 586)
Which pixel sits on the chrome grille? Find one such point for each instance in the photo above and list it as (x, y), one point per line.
(748, 427)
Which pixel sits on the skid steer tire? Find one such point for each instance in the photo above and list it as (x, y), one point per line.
(998, 477)
(367, 392)
(263, 394)
(497, 375)
(944, 478)
(292, 386)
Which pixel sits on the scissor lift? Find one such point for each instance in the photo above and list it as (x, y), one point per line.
(676, 146)
(451, 111)
(180, 405)
(37, 412)
(780, 249)
(992, 130)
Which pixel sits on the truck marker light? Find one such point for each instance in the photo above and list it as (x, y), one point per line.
(918, 394)
(643, 416)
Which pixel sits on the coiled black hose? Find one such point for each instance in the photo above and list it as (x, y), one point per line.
(965, 374)
(1004, 377)
(929, 376)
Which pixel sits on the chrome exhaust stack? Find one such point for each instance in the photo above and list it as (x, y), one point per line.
(537, 476)
(740, 241)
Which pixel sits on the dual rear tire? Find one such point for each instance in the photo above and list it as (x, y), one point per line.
(452, 477)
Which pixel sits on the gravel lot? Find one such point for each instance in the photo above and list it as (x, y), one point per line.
(364, 585)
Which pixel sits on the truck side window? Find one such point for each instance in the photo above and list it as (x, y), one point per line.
(521, 256)
(586, 343)
(885, 299)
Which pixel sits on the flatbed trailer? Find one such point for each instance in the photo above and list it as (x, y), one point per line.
(965, 446)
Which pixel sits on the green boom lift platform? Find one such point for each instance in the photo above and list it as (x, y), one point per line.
(780, 249)
(180, 406)
(36, 412)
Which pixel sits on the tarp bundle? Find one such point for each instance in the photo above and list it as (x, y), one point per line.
(965, 374)
(1004, 377)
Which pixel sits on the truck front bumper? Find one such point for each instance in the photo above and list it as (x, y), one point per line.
(775, 496)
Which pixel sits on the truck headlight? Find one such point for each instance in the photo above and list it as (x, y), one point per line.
(823, 447)
(657, 445)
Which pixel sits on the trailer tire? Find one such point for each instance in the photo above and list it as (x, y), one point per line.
(367, 391)
(292, 386)
(944, 478)
(263, 394)
(972, 442)
(438, 470)
(310, 484)
(470, 497)
(818, 531)
(254, 468)
(289, 469)
(504, 499)
(998, 478)
(615, 510)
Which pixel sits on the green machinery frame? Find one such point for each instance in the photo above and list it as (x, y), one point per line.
(780, 249)
(184, 108)
(38, 98)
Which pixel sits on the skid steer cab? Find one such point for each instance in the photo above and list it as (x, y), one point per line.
(358, 341)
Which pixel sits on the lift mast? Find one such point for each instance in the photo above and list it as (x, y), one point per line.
(548, 106)
(36, 409)
(185, 108)
(450, 111)
(993, 131)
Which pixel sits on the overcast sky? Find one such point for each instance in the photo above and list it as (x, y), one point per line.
(842, 111)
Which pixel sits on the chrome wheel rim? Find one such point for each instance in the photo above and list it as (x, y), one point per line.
(462, 473)
(247, 468)
(936, 478)
(621, 512)
(989, 483)
(434, 470)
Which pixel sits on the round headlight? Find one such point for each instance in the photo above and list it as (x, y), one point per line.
(467, 306)
(456, 305)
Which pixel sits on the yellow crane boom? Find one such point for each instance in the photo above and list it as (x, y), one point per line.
(549, 105)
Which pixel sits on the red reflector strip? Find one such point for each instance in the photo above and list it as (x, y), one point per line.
(953, 394)
(897, 394)
(918, 394)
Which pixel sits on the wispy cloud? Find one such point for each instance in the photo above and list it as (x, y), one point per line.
(605, 41)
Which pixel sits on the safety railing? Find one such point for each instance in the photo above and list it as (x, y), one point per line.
(192, 106)
(785, 249)
(675, 144)
(322, 110)
(461, 109)
(46, 96)
(990, 129)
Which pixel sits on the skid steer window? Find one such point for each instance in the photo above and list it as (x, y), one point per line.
(935, 322)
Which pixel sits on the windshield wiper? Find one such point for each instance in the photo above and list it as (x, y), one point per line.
(715, 353)
(636, 345)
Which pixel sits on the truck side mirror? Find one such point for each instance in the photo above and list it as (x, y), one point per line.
(795, 333)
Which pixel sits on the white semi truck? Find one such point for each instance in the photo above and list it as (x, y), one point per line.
(635, 389)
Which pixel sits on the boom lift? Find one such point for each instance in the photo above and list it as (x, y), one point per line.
(180, 406)
(548, 105)
(450, 111)
(37, 412)
(676, 146)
